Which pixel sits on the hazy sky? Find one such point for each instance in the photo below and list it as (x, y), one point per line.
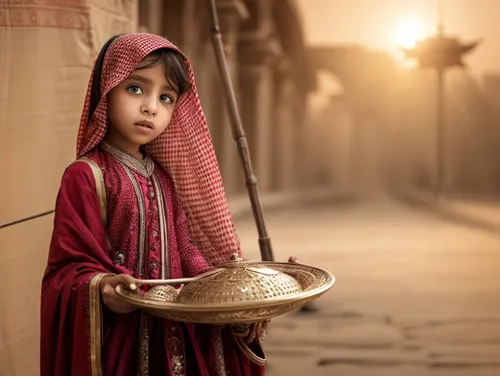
(383, 24)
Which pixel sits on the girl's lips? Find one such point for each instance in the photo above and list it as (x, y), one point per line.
(145, 123)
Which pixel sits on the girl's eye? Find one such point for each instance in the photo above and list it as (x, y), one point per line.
(166, 98)
(134, 89)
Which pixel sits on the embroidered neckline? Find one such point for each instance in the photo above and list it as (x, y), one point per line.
(143, 167)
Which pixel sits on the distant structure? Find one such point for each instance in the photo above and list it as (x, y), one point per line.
(440, 52)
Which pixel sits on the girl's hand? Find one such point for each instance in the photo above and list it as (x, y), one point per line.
(109, 296)
(257, 330)
(294, 260)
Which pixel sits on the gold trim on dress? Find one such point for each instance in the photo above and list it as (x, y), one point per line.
(144, 346)
(140, 269)
(95, 321)
(177, 365)
(162, 221)
(144, 167)
(176, 351)
(219, 350)
(100, 187)
(141, 245)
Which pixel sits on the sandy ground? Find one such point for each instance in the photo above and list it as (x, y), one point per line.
(414, 295)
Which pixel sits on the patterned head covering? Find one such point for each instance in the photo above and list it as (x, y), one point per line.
(184, 150)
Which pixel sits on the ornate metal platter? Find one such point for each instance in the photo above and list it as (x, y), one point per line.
(235, 292)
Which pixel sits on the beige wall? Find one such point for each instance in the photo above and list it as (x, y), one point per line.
(44, 73)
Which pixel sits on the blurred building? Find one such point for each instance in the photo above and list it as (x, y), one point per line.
(470, 133)
(264, 44)
(380, 126)
(47, 51)
(354, 127)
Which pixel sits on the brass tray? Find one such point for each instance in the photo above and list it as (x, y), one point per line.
(312, 282)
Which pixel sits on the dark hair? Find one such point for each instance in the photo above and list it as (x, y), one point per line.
(176, 71)
(95, 91)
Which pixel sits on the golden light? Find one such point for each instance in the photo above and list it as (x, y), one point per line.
(407, 33)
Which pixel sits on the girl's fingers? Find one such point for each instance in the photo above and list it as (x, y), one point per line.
(294, 260)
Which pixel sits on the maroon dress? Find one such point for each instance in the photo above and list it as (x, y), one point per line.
(145, 234)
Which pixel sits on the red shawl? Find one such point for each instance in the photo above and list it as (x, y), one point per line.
(79, 335)
(184, 150)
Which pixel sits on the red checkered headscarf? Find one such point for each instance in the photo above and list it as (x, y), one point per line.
(184, 150)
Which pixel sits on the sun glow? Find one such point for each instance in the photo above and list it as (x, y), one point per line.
(407, 32)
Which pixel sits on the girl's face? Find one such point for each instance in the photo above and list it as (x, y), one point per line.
(140, 109)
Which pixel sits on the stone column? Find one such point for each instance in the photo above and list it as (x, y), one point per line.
(150, 16)
(190, 34)
(257, 104)
(284, 127)
(231, 14)
(155, 16)
(301, 140)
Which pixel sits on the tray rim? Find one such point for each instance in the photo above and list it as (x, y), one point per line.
(234, 306)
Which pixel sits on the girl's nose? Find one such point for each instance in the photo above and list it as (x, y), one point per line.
(150, 107)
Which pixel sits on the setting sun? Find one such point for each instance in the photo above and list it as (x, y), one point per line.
(407, 33)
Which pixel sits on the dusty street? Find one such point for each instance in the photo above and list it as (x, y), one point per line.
(414, 295)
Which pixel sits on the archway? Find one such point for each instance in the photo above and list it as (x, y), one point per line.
(329, 141)
(367, 79)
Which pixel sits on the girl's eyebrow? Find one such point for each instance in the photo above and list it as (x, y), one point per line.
(148, 81)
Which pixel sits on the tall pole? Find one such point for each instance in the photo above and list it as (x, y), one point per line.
(239, 135)
(440, 70)
(440, 23)
(440, 52)
(440, 173)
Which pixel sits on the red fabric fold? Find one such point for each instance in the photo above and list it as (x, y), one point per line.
(200, 234)
(79, 251)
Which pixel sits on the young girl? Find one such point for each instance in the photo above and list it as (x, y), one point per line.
(145, 199)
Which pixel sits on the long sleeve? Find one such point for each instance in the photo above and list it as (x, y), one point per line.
(77, 260)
